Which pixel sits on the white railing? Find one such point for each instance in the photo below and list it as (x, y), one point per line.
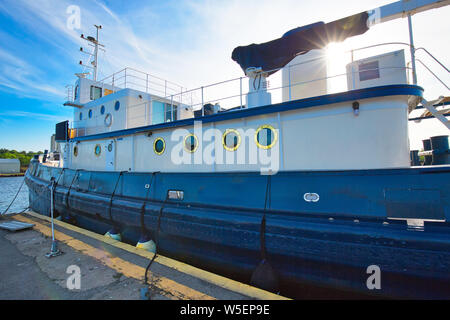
(69, 93)
(138, 80)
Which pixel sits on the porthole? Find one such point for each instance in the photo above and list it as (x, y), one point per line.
(102, 110)
(117, 106)
(108, 120)
(266, 136)
(231, 139)
(110, 147)
(97, 150)
(159, 145)
(75, 151)
(90, 113)
(81, 116)
(190, 143)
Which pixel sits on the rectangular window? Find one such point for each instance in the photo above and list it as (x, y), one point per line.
(96, 92)
(369, 71)
(168, 112)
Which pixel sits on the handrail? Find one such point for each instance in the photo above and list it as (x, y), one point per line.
(378, 45)
(143, 77)
(276, 88)
(428, 52)
(429, 70)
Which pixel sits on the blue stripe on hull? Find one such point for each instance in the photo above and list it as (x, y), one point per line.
(217, 224)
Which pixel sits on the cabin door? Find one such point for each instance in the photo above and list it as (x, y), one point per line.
(110, 155)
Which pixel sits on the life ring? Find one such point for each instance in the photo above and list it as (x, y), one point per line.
(108, 120)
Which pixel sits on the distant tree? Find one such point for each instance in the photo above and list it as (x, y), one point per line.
(23, 156)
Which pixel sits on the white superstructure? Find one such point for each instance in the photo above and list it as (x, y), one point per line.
(133, 121)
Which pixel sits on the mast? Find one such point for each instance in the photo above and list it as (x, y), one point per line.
(97, 45)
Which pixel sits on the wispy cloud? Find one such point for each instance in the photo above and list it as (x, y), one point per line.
(32, 115)
(27, 80)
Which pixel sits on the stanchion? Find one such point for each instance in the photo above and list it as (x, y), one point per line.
(54, 251)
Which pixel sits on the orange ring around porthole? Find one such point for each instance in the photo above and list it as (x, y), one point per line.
(97, 150)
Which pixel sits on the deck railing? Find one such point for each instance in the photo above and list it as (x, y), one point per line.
(138, 80)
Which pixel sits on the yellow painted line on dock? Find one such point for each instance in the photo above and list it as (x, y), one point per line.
(207, 276)
(128, 269)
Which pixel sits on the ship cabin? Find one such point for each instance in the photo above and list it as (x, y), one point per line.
(126, 121)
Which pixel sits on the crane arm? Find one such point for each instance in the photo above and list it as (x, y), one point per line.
(401, 9)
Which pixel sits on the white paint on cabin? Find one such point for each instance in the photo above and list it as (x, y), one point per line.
(329, 137)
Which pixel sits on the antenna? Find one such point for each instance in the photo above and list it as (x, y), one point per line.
(97, 45)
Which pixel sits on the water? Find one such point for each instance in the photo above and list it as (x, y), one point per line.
(8, 189)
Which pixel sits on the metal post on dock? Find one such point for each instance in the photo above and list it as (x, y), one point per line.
(54, 251)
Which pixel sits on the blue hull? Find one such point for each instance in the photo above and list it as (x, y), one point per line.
(328, 243)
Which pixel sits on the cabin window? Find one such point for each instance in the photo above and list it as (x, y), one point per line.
(102, 110)
(97, 150)
(96, 92)
(81, 116)
(117, 106)
(231, 139)
(266, 136)
(76, 92)
(168, 112)
(90, 113)
(159, 145)
(190, 143)
(369, 71)
(75, 151)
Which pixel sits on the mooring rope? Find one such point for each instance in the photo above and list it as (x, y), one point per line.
(268, 199)
(145, 202)
(264, 276)
(112, 196)
(53, 185)
(158, 226)
(70, 187)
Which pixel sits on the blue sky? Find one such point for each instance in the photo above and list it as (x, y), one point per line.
(188, 42)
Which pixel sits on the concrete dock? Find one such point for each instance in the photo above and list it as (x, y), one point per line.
(108, 269)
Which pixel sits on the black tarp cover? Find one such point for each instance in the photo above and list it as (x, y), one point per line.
(279, 52)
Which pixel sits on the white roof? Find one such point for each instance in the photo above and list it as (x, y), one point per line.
(10, 161)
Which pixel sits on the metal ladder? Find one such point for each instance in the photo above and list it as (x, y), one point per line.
(438, 114)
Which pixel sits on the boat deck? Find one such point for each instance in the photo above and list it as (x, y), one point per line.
(109, 269)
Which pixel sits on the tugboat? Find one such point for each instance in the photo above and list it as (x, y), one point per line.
(319, 189)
